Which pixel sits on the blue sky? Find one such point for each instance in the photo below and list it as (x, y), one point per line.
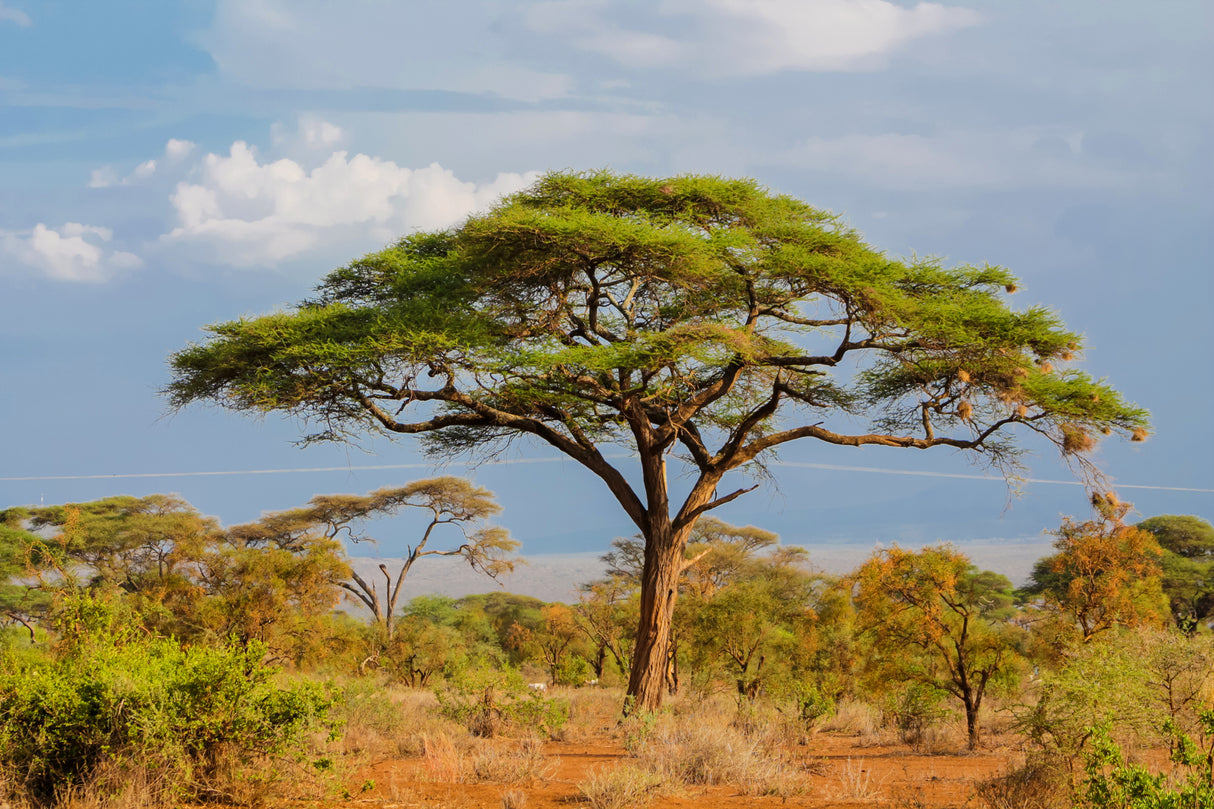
(168, 165)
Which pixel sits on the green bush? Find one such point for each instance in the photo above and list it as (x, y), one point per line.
(802, 702)
(1111, 783)
(490, 701)
(179, 720)
(914, 710)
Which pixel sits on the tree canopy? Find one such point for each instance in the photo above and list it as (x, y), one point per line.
(942, 621)
(1104, 573)
(1188, 566)
(692, 317)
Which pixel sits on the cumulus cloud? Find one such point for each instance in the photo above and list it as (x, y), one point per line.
(15, 16)
(749, 37)
(177, 149)
(246, 211)
(310, 134)
(174, 151)
(74, 252)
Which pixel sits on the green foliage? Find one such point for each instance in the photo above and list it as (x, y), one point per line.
(1111, 783)
(801, 701)
(1187, 566)
(937, 620)
(1104, 573)
(1127, 681)
(914, 709)
(490, 702)
(180, 715)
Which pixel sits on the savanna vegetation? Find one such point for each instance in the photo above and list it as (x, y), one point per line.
(696, 322)
(154, 657)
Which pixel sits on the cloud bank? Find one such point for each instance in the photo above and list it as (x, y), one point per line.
(247, 212)
(243, 210)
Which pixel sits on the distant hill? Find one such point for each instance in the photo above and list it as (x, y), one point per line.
(555, 577)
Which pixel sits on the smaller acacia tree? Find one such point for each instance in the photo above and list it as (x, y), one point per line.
(753, 627)
(939, 621)
(451, 501)
(606, 614)
(1104, 574)
(1188, 566)
(20, 602)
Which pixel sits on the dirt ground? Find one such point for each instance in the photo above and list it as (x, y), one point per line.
(837, 771)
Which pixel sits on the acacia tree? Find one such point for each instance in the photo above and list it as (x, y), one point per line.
(1188, 566)
(939, 621)
(693, 319)
(451, 501)
(1104, 573)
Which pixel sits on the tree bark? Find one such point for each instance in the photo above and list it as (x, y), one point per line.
(659, 589)
(972, 704)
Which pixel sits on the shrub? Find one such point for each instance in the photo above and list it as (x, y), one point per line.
(802, 703)
(914, 710)
(489, 701)
(622, 787)
(179, 719)
(1103, 683)
(1036, 785)
(1111, 783)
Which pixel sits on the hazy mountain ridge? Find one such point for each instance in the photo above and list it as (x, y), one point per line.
(555, 577)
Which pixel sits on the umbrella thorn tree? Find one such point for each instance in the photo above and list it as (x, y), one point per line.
(694, 320)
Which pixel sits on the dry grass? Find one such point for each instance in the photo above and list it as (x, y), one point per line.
(518, 762)
(467, 760)
(622, 787)
(857, 783)
(385, 721)
(1036, 785)
(591, 710)
(854, 719)
(514, 799)
(696, 750)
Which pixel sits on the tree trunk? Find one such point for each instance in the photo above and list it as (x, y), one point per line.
(659, 589)
(972, 704)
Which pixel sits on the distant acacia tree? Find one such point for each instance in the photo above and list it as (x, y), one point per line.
(695, 319)
(451, 501)
(21, 601)
(1187, 566)
(1104, 573)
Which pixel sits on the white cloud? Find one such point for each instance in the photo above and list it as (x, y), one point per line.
(1029, 157)
(310, 134)
(144, 170)
(107, 176)
(750, 37)
(15, 16)
(177, 149)
(104, 177)
(243, 211)
(74, 252)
